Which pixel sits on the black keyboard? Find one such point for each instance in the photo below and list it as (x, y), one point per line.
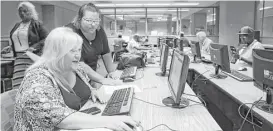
(129, 72)
(120, 102)
(238, 76)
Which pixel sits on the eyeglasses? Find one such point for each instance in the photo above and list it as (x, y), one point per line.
(90, 21)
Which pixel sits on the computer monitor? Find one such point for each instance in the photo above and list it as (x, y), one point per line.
(195, 50)
(177, 80)
(179, 43)
(169, 42)
(4, 43)
(175, 42)
(163, 59)
(263, 76)
(220, 58)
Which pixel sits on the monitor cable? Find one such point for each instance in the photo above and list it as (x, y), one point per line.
(245, 118)
(198, 103)
(198, 77)
(204, 102)
(161, 125)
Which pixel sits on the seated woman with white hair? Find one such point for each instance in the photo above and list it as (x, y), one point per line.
(204, 42)
(56, 86)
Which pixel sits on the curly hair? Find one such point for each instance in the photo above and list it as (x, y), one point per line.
(31, 9)
(90, 7)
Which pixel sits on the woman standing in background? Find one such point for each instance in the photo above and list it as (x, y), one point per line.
(27, 35)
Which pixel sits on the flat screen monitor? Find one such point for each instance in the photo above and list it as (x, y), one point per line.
(195, 50)
(177, 80)
(220, 58)
(169, 42)
(4, 43)
(163, 59)
(263, 76)
(179, 43)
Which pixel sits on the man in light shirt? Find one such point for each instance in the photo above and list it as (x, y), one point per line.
(247, 44)
(204, 42)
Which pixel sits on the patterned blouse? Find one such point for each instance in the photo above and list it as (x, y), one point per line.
(39, 103)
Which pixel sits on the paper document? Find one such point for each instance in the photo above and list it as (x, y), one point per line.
(110, 89)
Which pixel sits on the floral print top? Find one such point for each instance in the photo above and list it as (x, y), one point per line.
(39, 103)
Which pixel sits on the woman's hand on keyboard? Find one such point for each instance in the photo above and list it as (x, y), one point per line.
(100, 95)
(114, 75)
(112, 82)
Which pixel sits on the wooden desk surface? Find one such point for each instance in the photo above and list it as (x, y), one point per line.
(155, 88)
(244, 92)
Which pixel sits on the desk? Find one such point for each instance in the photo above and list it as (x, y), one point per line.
(192, 118)
(224, 96)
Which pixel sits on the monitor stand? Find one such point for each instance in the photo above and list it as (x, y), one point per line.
(170, 102)
(267, 105)
(162, 74)
(195, 60)
(217, 75)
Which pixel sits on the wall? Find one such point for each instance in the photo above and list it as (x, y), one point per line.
(233, 16)
(9, 15)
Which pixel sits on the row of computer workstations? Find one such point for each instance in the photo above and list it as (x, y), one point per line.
(219, 57)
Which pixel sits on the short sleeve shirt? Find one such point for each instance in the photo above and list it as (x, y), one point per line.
(246, 53)
(132, 45)
(91, 50)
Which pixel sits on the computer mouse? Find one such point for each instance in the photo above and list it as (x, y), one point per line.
(128, 80)
(242, 69)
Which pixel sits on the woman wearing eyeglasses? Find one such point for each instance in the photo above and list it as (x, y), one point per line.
(95, 43)
(27, 35)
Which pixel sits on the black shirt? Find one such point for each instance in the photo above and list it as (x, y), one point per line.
(91, 52)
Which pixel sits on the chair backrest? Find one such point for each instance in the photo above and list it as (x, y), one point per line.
(7, 110)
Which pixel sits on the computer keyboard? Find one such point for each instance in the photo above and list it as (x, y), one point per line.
(238, 76)
(129, 72)
(120, 102)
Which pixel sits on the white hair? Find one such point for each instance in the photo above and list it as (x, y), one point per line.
(58, 43)
(31, 9)
(201, 35)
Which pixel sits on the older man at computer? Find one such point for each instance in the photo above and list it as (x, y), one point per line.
(204, 42)
(247, 44)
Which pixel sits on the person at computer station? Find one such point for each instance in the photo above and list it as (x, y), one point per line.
(118, 43)
(95, 42)
(247, 44)
(56, 86)
(204, 42)
(134, 46)
(186, 42)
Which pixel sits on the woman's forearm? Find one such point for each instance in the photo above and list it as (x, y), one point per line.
(93, 75)
(80, 120)
(109, 65)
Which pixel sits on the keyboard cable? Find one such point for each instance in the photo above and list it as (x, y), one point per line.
(245, 118)
(198, 77)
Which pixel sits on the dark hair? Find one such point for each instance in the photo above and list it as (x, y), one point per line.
(119, 36)
(83, 8)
